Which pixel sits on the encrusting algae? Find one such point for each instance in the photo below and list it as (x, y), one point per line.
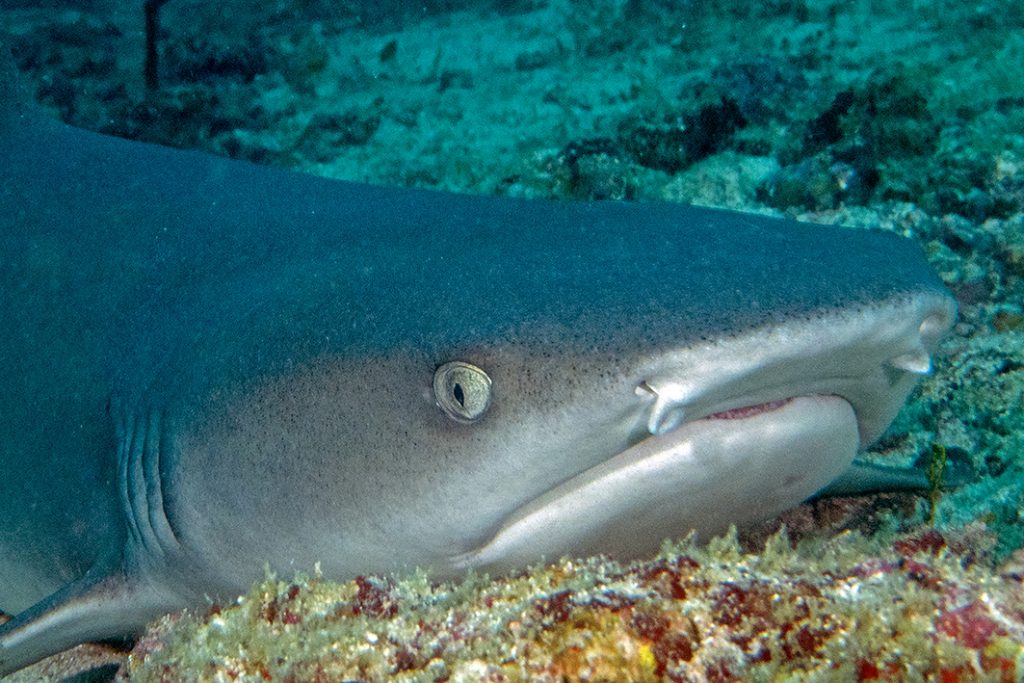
(920, 606)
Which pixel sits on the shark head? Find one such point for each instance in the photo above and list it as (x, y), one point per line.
(491, 395)
(727, 431)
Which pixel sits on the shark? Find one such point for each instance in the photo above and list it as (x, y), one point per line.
(210, 367)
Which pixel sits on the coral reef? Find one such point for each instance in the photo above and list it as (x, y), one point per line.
(919, 606)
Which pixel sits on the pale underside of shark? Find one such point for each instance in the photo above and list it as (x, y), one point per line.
(210, 366)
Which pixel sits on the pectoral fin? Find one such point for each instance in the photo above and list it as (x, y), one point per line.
(103, 604)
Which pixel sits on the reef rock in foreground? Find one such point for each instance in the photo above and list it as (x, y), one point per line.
(920, 606)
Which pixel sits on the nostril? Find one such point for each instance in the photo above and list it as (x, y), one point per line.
(937, 323)
(917, 362)
(933, 326)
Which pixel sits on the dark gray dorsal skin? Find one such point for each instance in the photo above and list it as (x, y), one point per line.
(209, 366)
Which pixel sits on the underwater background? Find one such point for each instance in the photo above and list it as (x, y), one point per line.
(907, 116)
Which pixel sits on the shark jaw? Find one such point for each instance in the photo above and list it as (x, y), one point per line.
(738, 430)
(750, 467)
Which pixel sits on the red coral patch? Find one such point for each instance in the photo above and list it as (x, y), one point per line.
(970, 625)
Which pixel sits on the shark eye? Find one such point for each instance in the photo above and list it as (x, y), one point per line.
(462, 391)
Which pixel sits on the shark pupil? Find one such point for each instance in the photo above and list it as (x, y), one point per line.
(459, 395)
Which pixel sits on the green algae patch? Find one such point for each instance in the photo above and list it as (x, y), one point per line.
(911, 607)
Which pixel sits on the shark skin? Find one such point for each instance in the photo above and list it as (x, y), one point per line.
(210, 367)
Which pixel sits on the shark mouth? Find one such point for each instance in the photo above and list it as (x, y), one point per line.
(747, 411)
(669, 412)
(732, 466)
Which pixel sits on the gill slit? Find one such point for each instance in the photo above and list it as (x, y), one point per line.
(142, 443)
